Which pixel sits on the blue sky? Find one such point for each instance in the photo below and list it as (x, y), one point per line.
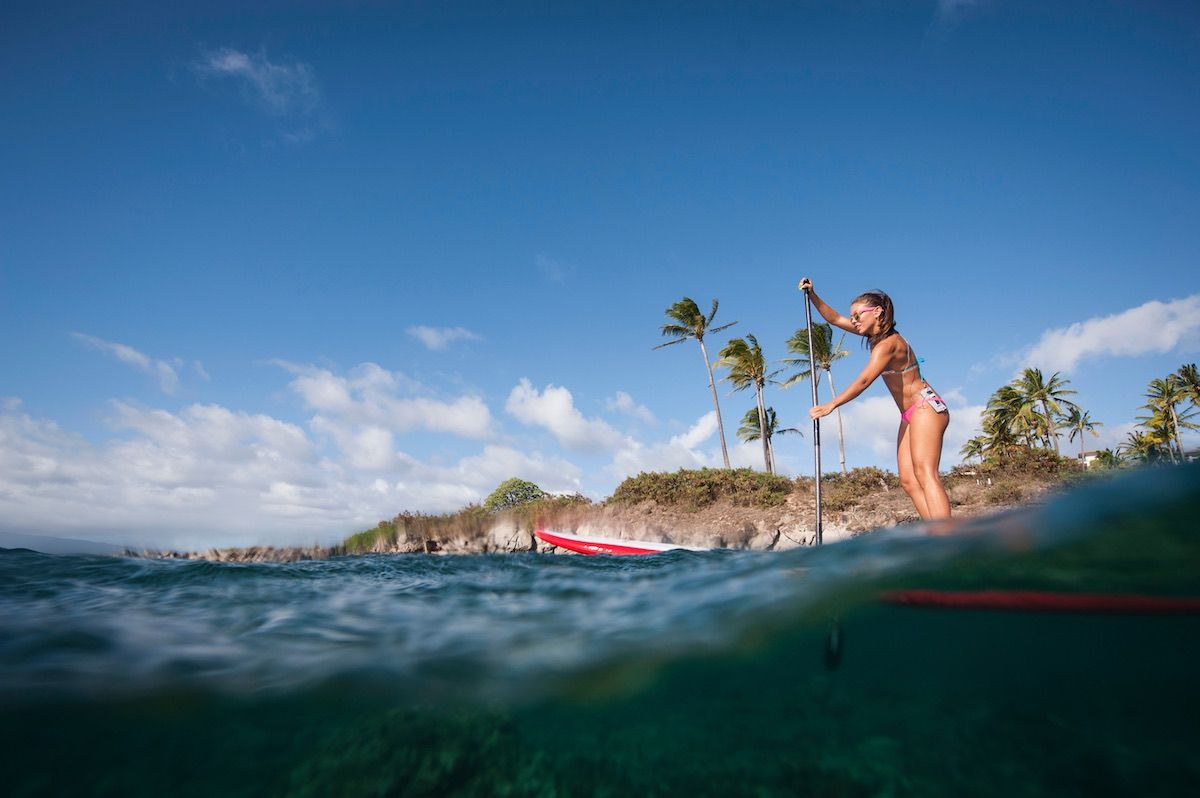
(272, 274)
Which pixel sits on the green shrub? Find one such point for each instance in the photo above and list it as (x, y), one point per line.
(365, 541)
(1030, 462)
(697, 488)
(513, 493)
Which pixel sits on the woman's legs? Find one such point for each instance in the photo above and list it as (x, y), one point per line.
(926, 429)
(908, 476)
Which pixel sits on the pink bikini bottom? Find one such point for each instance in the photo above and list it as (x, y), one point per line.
(922, 399)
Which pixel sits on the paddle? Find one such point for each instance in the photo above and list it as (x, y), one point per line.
(833, 640)
(812, 366)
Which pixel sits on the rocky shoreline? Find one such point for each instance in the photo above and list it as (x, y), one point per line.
(721, 525)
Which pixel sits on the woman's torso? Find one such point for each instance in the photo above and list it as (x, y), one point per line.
(903, 374)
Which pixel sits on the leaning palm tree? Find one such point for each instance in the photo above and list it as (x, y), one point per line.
(688, 322)
(974, 447)
(1165, 396)
(823, 356)
(749, 430)
(1190, 380)
(1049, 396)
(1079, 422)
(748, 369)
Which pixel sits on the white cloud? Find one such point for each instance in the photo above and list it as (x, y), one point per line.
(681, 451)
(279, 89)
(554, 409)
(210, 476)
(871, 422)
(624, 403)
(1152, 328)
(438, 338)
(370, 395)
(165, 372)
(704, 428)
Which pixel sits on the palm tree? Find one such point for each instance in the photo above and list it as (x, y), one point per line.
(974, 448)
(688, 322)
(824, 354)
(1141, 446)
(1047, 395)
(749, 430)
(1079, 422)
(748, 368)
(1007, 416)
(1191, 382)
(1107, 459)
(1165, 395)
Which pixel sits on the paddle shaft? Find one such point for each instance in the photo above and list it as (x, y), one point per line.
(812, 365)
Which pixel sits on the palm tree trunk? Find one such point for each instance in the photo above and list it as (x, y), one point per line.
(1050, 427)
(1175, 426)
(762, 429)
(841, 435)
(712, 386)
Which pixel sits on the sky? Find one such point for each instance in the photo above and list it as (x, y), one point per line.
(271, 273)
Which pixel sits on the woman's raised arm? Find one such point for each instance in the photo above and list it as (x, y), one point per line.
(827, 312)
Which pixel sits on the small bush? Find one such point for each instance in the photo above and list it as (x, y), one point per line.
(1004, 493)
(698, 488)
(842, 491)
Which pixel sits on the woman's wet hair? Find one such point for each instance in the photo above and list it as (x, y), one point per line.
(887, 314)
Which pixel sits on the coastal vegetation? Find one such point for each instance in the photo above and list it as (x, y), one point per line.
(1030, 412)
(695, 489)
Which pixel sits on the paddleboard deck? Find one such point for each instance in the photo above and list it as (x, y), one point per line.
(595, 544)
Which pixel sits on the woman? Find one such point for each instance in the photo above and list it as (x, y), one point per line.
(923, 415)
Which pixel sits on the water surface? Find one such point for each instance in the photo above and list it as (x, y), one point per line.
(722, 673)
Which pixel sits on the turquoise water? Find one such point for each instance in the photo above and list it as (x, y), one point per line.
(723, 673)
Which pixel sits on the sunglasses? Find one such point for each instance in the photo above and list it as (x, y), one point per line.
(854, 317)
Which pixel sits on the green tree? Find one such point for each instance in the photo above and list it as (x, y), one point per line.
(687, 322)
(1048, 396)
(513, 493)
(1165, 419)
(1079, 422)
(974, 447)
(1142, 447)
(824, 355)
(743, 357)
(1007, 421)
(749, 430)
(1191, 382)
(1107, 459)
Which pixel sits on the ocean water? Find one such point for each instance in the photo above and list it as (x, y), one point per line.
(723, 673)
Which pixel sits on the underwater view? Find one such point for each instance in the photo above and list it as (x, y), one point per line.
(1046, 651)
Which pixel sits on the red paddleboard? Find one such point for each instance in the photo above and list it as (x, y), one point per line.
(1046, 601)
(593, 544)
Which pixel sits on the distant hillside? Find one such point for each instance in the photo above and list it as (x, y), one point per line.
(50, 545)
